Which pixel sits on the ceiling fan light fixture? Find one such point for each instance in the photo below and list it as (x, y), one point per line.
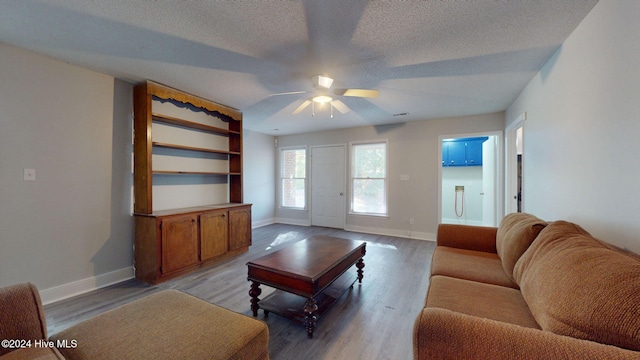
(322, 81)
(322, 99)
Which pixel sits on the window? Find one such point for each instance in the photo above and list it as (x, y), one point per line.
(293, 174)
(369, 178)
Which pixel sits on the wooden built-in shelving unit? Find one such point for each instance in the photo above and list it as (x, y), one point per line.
(170, 242)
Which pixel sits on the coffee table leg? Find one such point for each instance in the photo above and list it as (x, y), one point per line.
(310, 308)
(360, 266)
(254, 292)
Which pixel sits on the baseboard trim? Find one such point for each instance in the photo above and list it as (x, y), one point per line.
(369, 230)
(298, 222)
(391, 232)
(464, 222)
(261, 223)
(78, 287)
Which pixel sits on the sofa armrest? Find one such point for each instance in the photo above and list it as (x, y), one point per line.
(22, 316)
(445, 334)
(478, 238)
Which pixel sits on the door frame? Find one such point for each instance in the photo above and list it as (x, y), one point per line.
(511, 164)
(499, 176)
(343, 215)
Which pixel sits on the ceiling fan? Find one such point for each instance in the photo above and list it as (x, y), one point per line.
(322, 84)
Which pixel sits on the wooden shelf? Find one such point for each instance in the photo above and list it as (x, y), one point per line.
(145, 143)
(191, 148)
(178, 172)
(192, 125)
(292, 306)
(172, 242)
(192, 209)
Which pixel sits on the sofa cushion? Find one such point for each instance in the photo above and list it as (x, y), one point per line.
(471, 265)
(577, 286)
(515, 234)
(444, 334)
(167, 325)
(21, 314)
(477, 299)
(470, 237)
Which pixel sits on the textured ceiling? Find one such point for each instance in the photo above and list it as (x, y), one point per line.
(429, 59)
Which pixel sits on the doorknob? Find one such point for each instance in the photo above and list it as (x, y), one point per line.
(341, 193)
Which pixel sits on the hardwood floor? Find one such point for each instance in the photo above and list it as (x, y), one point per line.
(374, 320)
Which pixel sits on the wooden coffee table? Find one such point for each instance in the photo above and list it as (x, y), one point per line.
(309, 276)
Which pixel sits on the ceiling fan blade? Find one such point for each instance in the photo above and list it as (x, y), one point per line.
(340, 106)
(289, 93)
(367, 93)
(301, 107)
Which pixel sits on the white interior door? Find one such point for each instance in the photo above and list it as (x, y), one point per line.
(328, 186)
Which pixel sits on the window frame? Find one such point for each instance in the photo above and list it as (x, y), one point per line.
(352, 152)
(283, 150)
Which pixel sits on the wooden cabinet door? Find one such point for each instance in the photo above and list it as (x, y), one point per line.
(239, 227)
(457, 153)
(179, 242)
(474, 152)
(453, 153)
(214, 234)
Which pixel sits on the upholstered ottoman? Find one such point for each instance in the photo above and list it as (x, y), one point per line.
(167, 325)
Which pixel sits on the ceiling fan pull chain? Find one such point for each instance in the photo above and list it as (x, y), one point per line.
(313, 108)
(331, 110)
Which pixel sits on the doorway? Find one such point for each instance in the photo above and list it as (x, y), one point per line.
(328, 171)
(470, 180)
(514, 165)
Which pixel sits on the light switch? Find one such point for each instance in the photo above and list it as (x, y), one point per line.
(29, 174)
(404, 177)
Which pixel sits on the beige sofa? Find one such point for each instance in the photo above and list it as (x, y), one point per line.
(529, 290)
(165, 325)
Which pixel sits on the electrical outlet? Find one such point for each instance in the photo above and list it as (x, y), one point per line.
(410, 221)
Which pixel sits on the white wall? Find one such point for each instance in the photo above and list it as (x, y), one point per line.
(70, 229)
(259, 176)
(413, 150)
(471, 211)
(581, 134)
